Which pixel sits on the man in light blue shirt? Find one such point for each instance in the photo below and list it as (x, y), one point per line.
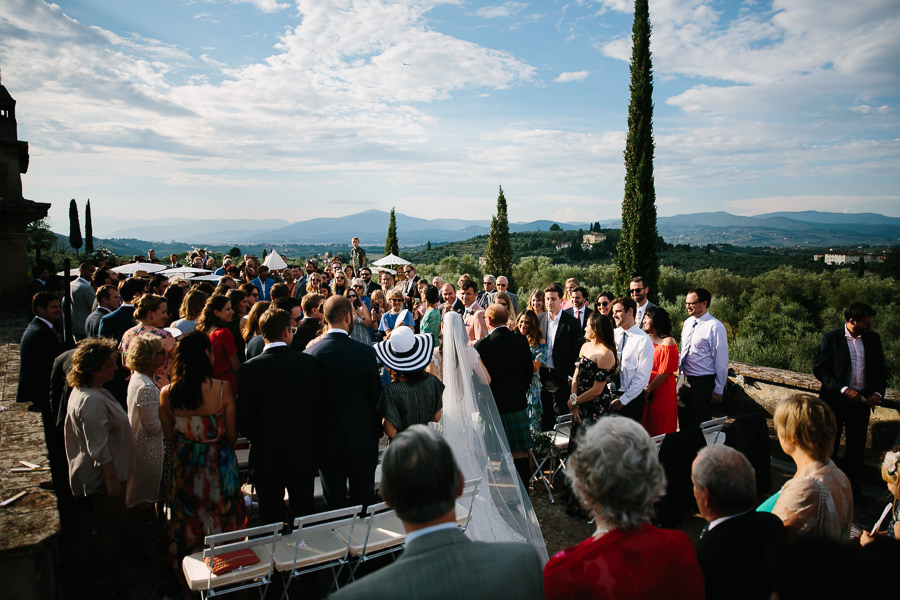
(703, 363)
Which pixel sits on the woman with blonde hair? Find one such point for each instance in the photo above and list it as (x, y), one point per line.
(287, 276)
(890, 473)
(504, 299)
(145, 354)
(571, 284)
(817, 501)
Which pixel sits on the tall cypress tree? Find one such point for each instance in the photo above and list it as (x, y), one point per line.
(88, 229)
(499, 250)
(637, 245)
(390, 242)
(74, 227)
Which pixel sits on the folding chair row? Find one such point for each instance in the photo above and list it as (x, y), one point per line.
(556, 455)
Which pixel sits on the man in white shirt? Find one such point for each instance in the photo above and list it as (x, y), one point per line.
(564, 339)
(635, 352)
(638, 290)
(703, 364)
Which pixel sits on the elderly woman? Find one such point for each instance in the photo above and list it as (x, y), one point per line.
(145, 355)
(617, 476)
(99, 442)
(817, 501)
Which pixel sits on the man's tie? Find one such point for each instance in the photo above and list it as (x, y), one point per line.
(686, 347)
(578, 316)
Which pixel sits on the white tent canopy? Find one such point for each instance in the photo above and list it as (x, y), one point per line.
(275, 262)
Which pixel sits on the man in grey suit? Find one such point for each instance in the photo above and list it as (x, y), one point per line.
(82, 299)
(420, 480)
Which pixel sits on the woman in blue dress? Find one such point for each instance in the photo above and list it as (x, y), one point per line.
(529, 326)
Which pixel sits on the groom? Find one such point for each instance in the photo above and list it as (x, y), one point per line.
(507, 359)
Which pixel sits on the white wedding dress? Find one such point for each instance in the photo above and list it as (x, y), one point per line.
(502, 511)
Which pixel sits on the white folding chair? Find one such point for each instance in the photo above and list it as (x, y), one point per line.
(712, 431)
(466, 502)
(314, 545)
(261, 540)
(559, 449)
(379, 533)
(658, 440)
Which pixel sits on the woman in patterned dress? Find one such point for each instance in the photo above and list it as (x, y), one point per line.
(150, 311)
(198, 416)
(596, 363)
(529, 325)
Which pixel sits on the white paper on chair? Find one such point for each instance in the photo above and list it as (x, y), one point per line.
(884, 513)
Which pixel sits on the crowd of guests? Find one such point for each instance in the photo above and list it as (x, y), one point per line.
(167, 373)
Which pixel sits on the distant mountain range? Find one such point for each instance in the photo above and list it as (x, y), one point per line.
(779, 229)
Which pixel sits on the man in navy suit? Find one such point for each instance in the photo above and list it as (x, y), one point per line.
(351, 426)
(850, 365)
(281, 419)
(108, 300)
(737, 548)
(564, 339)
(115, 324)
(579, 309)
(38, 349)
(420, 480)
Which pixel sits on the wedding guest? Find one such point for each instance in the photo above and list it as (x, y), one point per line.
(190, 311)
(617, 476)
(890, 473)
(214, 323)
(144, 357)
(151, 314)
(661, 408)
(529, 326)
(537, 304)
(251, 332)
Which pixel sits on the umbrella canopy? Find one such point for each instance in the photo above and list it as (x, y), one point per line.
(183, 272)
(129, 268)
(210, 277)
(275, 262)
(390, 259)
(72, 272)
(385, 269)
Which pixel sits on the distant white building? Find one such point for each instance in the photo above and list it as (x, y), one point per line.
(564, 245)
(848, 258)
(593, 238)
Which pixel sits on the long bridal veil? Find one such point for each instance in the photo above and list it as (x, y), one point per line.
(501, 511)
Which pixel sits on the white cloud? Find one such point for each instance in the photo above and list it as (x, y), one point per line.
(266, 6)
(507, 9)
(571, 76)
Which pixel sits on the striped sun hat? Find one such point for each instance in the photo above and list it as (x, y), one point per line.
(405, 351)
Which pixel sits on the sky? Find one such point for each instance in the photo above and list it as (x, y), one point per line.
(297, 109)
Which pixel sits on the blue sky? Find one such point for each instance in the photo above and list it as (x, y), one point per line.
(297, 109)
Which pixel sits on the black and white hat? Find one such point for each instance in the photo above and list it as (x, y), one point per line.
(405, 351)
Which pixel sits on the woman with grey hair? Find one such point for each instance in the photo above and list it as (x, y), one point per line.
(616, 475)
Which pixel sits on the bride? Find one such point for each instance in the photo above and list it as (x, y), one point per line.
(501, 511)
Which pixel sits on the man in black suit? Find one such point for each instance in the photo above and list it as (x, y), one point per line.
(351, 424)
(410, 286)
(451, 302)
(115, 324)
(579, 309)
(40, 275)
(850, 365)
(737, 547)
(38, 349)
(309, 326)
(564, 339)
(108, 300)
(507, 359)
(281, 419)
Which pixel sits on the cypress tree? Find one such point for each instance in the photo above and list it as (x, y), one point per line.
(390, 242)
(499, 250)
(74, 227)
(88, 229)
(637, 245)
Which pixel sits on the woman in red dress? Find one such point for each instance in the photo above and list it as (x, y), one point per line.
(617, 476)
(217, 313)
(661, 409)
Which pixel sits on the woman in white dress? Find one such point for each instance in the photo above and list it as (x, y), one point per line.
(471, 424)
(145, 355)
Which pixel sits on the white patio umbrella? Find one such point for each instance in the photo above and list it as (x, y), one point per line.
(72, 272)
(275, 262)
(129, 268)
(183, 272)
(210, 277)
(390, 259)
(385, 269)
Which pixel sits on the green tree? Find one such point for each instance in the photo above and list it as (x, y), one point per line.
(637, 245)
(499, 250)
(74, 227)
(88, 229)
(555, 227)
(391, 245)
(234, 252)
(40, 236)
(861, 266)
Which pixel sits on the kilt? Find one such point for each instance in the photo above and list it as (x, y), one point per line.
(518, 430)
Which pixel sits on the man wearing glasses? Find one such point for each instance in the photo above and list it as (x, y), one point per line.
(638, 290)
(371, 286)
(703, 364)
(490, 288)
(409, 286)
(503, 286)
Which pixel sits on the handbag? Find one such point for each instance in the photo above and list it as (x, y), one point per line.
(229, 561)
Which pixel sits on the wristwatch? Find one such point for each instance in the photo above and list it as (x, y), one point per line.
(573, 400)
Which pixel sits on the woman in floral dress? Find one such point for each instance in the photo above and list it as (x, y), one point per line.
(528, 325)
